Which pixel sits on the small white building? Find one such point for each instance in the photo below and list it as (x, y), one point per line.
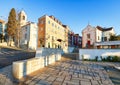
(103, 34)
(91, 35)
(29, 34)
(88, 36)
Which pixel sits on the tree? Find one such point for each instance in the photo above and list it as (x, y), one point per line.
(18, 33)
(113, 38)
(118, 37)
(1, 37)
(12, 25)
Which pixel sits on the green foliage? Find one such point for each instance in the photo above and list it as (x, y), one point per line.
(12, 23)
(82, 57)
(116, 59)
(118, 37)
(114, 37)
(111, 59)
(96, 58)
(103, 59)
(106, 59)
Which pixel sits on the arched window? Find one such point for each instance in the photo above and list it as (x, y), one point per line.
(48, 45)
(23, 17)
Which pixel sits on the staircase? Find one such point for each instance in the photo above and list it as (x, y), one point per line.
(76, 50)
(74, 55)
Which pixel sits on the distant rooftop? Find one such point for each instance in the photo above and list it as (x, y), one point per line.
(2, 21)
(104, 29)
(56, 20)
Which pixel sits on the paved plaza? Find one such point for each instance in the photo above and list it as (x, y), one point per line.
(70, 72)
(64, 72)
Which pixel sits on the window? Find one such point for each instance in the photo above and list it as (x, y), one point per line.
(102, 38)
(105, 38)
(48, 45)
(53, 24)
(25, 28)
(98, 38)
(41, 22)
(25, 36)
(49, 22)
(52, 37)
(23, 17)
(88, 36)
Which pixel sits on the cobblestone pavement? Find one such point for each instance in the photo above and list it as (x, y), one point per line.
(70, 72)
(6, 77)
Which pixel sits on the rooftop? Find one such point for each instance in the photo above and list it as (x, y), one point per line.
(2, 21)
(104, 29)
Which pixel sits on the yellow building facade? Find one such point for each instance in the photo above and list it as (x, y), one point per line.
(52, 33)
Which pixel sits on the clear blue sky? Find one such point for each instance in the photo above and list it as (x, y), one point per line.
(74, 13)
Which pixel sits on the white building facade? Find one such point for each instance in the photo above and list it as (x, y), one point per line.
(28, 32)
(103, 34)
(29, 36)
(91, 35)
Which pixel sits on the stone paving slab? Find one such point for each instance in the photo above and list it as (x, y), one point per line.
(6, 77)
(68, 72)
(71, 72)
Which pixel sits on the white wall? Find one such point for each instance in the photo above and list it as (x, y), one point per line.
(23, 32)
(98, 33)
(33, 36)
(31, 39)
(92, 53)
